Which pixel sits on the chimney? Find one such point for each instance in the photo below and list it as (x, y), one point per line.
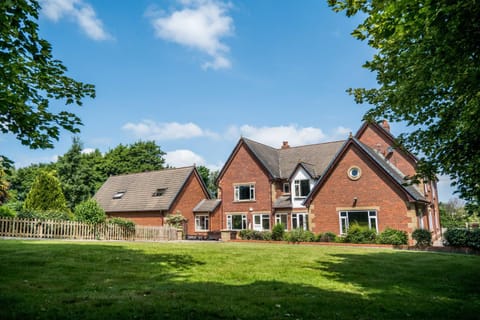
(285, 145)
(385, 125)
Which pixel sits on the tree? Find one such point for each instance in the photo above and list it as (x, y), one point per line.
(4, 185)
(77, 174)
(427, 63)
(209, 178)
(90, 211)
(45, 194)
(30, 78)
(137, 157)
(22, 179)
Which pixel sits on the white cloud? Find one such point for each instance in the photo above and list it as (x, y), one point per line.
(341, 133)
(273, 136)
(183, 158)
(81, 12)
(88, 151)
(151, 130)
(200, 24)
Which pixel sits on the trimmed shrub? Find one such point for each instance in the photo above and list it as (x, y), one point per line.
(46, 214)
(461, 237)
(326, 237)
(359, 234)
(7, 212)
(278, 232)
(393, 236)
(300, 235)
(175, 220)
(90, 211)
(422, 237)
(127, 224)
(255, 235)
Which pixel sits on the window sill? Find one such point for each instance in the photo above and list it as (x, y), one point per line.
(244, 201)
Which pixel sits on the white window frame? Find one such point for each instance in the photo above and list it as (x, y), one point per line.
(200, 225)
(296, 220)
(344, 222)
(297, 188)
(251, 187)
(258, 226)
(230, 221)
(279, 217)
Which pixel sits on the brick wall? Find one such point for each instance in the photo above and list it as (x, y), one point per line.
(191, 194)
(244, 169)
(376, 140)
(153, 218)
(373, 190)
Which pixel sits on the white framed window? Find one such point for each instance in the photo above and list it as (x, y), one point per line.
(244, 192)
(300, 221)
(354, 173)
(261, 222)
(282, 218)
(202, 222)
(236, 222)
(367, 218)
(301, 188)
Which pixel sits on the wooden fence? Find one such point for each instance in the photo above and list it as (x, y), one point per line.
(58, 229)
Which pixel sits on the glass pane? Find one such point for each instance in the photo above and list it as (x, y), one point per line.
(244, 192)
(256, 219)
(236, 222)
(360, 217)
(266, 222)
(305, 187)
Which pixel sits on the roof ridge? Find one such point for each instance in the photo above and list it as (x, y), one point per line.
(151, 171)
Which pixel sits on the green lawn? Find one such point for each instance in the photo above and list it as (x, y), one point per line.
(107, 280)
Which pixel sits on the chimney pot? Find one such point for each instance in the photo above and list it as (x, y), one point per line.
(386, 125)
(285, 145)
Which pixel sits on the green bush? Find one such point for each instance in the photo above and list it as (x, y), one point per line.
(326, 237)
(45, 214)
(7, 212)
(255, 235)
(461, 237)
(175, 220)
(278, 232)
(422, 237)
(393, 236)
(359, 234)
(90, 211)
(300, 235)
(127, 224)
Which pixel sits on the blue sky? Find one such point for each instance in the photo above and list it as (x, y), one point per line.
(195, 75)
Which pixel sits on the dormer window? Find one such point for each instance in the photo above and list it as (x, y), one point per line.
(286, 187)
(118, 195)
(302, 188)
(159, 192)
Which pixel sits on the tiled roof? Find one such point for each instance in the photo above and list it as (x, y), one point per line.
(284, 201)
(139, 189)
(393, 172)
(281, 163)
(207, 205)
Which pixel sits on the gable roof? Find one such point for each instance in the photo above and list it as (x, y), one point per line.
(139, 189)
(388, 136)
(396, 176)
(281, 163)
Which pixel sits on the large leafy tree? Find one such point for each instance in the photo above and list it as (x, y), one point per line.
(22, 179)
(78, 174)
(209, 178)
(427, 64)
(137, 157)
(30, 78)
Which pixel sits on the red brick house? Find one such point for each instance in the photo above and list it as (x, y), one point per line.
(147, 198)
(327, 186)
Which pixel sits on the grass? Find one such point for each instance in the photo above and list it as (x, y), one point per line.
(106, 280)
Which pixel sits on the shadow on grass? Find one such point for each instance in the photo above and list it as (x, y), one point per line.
(72, 281)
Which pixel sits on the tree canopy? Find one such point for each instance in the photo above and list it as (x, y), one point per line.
(427, 64)
(30, 78)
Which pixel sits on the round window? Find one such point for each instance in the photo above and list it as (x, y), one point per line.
(354, 173)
